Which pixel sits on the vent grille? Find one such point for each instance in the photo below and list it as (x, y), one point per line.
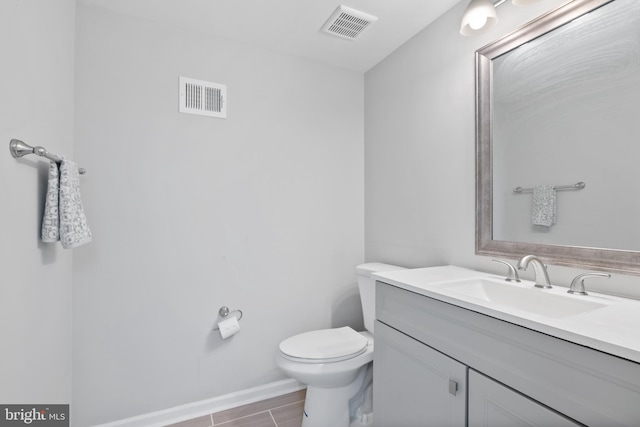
(348, 23)
(203, 98)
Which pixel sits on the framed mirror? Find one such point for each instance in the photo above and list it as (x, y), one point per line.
(557, 129)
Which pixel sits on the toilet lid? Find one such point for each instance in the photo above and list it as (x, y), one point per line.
(325, 345)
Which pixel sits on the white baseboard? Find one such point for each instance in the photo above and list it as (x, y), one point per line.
(209, 406)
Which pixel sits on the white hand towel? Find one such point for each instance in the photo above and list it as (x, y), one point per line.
(543, 210)
(74, 230)
(51, 218)
(64, 217)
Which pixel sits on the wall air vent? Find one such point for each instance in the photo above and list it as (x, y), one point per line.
(348, 23)
(203, 98)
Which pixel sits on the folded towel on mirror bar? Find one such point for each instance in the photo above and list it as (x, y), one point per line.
(543, 210)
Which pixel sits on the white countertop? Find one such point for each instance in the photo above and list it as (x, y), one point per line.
(613, 328)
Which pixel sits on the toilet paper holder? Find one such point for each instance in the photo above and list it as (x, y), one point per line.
(224, 312)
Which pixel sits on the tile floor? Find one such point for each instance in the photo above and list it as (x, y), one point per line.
(280, 411)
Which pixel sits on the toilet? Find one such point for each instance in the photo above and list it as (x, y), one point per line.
(335, 364)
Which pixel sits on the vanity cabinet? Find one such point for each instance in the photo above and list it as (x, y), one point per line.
(437, 364)
(420, 386)
(420, 379)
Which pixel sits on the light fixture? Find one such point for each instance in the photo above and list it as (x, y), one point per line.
(480, 16)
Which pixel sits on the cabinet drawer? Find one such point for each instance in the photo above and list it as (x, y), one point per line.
(587, 385)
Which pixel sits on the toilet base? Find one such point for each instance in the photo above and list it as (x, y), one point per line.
(330, 406)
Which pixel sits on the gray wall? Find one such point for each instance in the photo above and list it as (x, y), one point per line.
(263, 211)
(420, 150)
(36, 88)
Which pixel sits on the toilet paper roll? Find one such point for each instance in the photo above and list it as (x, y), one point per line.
(229, 327)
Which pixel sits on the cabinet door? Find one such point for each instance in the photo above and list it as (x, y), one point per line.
(415, 385)
(493, 405)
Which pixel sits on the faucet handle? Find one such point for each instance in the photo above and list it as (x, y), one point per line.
(512, 274)
(577, 284)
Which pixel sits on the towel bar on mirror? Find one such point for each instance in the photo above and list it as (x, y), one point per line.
(19, 148)
(577, 186)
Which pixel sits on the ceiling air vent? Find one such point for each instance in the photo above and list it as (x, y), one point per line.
(203, 98)
(348, 23)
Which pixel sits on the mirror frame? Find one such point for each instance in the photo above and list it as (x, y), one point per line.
(614, 260)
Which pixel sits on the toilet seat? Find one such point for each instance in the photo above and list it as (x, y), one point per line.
(324, 346)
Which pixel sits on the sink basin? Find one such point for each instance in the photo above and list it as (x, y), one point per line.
(606, 323)
(545, 302)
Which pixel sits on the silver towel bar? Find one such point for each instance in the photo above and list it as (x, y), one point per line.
(577, 186)
(19, 149)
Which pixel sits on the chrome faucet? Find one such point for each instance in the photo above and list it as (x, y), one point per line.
(512, 274)
(542, 277)
(577, 285)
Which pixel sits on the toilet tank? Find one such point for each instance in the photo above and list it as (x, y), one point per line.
(367, 285)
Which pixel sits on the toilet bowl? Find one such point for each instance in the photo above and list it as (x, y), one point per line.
(335, 364)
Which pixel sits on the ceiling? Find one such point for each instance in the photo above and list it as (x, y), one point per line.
(293, 26)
